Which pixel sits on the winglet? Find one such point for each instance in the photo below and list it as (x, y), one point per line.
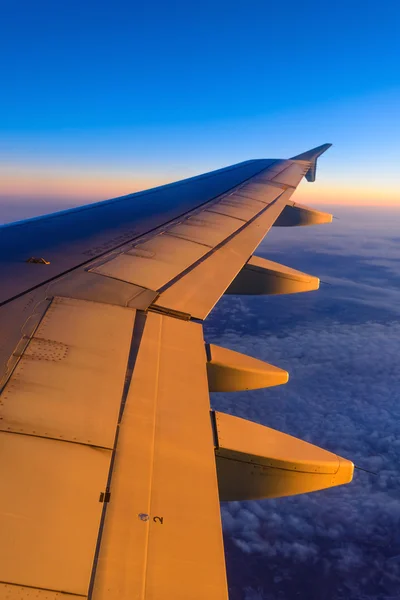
(311, 156)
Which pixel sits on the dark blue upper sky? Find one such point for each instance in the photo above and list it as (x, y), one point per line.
(103, 98)
(94, 64)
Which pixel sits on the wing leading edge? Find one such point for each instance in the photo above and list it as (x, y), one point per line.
(112, 463)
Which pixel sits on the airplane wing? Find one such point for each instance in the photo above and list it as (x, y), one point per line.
(112, 464)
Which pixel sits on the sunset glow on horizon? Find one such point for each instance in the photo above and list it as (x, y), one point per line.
(76, 189)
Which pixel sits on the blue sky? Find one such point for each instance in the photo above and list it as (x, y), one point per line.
(101, 99)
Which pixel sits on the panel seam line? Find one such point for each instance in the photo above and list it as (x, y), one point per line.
(156, 391)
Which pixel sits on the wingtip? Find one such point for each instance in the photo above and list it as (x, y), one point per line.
(312, 154)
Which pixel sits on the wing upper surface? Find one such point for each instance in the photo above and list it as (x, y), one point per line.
(108, 474)
(190, 263)
(74, 237)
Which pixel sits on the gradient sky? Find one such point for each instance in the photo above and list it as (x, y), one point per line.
(101, 99)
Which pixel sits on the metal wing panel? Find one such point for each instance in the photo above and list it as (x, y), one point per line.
(162, 533)
(205, 227)
(73, 367)
(256, 205)
(291, 175)
(264, 191)
(59, 416)
(72, 238)
(261, 191)
(238, 207)
(49, 511)
(197, 291)
(153, 263)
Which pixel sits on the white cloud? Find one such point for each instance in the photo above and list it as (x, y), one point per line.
(344, 395)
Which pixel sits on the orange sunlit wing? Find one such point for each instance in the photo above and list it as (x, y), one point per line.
(109, 476)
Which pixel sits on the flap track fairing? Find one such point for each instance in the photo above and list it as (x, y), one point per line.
(262, 276)
(230, 371)
(254, 462)
(294, 215)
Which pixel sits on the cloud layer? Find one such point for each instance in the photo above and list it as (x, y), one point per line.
(341, 346)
